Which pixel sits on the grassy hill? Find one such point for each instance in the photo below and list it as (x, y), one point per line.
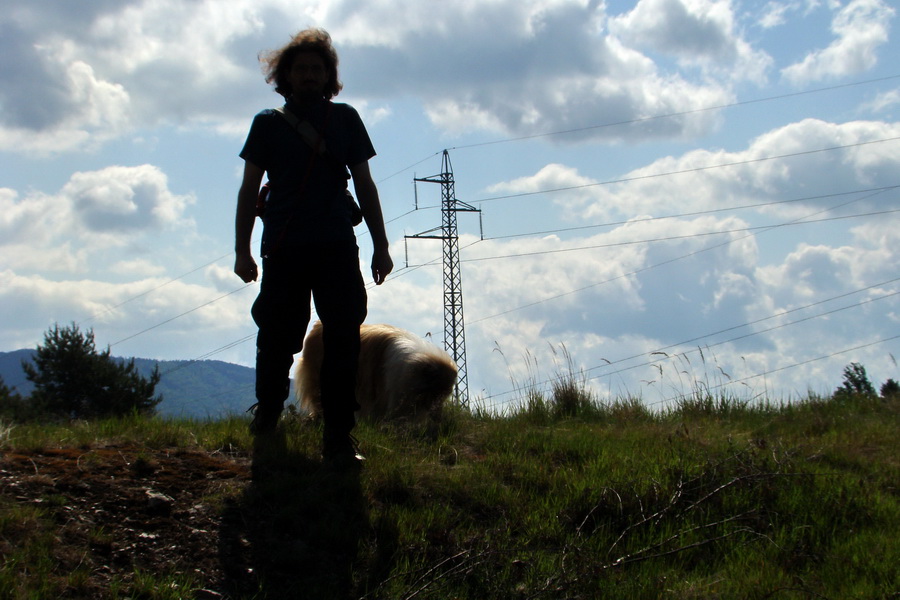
(558, 499)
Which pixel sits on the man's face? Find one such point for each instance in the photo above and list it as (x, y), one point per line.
(308, 76)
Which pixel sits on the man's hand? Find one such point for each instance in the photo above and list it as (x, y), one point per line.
(382, 265)
(245, 267)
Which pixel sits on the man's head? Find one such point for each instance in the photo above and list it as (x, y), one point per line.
(297, 64)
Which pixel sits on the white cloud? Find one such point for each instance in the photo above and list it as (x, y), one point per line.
(138, 267)
(812, 272)
(747, 177)
(696, 32)
(94, 111)
(222, 276)
(774, 15)
(94, 211)
(94, 72)
(33, 233)
(524, 68)
(417, 299)
(551, 177)
(116, 200)
(540, 66)
(882, 102)
(860, 28)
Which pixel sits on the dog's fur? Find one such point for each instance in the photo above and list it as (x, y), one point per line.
(400, 376)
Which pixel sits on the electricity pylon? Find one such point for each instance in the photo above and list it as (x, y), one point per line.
(454, 325)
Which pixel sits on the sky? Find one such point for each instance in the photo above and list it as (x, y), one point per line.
(675, 195)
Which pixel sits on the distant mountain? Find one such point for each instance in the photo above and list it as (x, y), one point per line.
(12, 373)
(199, 389)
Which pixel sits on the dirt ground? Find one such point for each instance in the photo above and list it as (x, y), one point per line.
(117, 511)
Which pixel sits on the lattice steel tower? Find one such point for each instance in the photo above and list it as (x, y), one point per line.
(454, 325)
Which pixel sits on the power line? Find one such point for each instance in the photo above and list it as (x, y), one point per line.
(797, 364)
(183, 275)
(404, 169)
(194, 270)
(756, 322)
(676, 114)
(737, 381)
(685, 171)
(174, 279)
(651, 118)
(672, 260)
(228, 346)
(208, 354)
(691, 214)
(708, 167)
(187, 312)
(662, 351)
(749, 335)
(179, 277)
(680, 237)
(191, 272)
(153, 289)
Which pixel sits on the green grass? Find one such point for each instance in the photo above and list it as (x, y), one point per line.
(561, 497)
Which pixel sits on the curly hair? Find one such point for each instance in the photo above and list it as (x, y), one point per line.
(277, 63)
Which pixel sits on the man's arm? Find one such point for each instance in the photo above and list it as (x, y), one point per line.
(367, 194)
(244, 265)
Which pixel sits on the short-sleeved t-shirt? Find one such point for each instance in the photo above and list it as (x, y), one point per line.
(306, 203)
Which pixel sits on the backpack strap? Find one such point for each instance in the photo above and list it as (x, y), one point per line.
(305, 129)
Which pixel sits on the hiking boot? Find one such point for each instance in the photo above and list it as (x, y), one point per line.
(341, 452)
(265, 419)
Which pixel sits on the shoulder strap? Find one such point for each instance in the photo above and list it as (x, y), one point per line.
(305, 130)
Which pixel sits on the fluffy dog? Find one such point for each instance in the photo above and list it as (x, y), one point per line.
(400, 376)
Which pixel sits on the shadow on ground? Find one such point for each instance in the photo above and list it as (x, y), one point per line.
(296, 531)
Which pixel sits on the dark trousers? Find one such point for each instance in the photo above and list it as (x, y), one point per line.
(330, 274)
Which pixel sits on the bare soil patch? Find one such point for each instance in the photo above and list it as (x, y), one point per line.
(113, 511)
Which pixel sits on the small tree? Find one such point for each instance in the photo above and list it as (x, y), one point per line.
(856, 382)
(73, 380)
(5, 392)
(890, 389)
(12, 406)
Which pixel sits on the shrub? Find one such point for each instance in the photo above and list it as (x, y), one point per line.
(856, 382)
(73, 380)
(890, 389)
